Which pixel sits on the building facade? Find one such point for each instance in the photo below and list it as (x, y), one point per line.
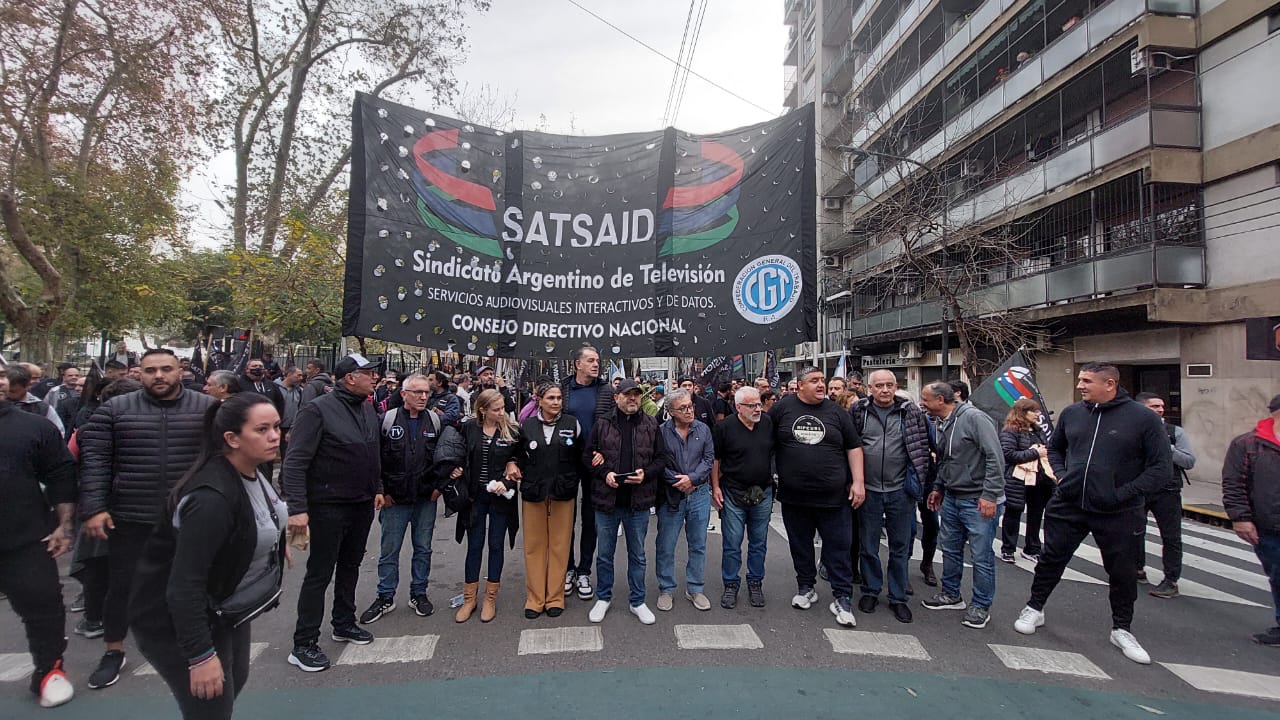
(1105, 172)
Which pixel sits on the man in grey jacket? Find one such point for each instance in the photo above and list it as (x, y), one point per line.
(1166, 506)
(969, 490)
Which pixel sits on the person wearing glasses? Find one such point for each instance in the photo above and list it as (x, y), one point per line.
(684, 501)
(333, 481)
(409, 497)
(742, 490)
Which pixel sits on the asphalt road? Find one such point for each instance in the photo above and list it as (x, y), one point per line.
(784, 661)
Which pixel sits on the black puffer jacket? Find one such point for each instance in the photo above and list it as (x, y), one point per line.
(133, 450)
(463, 447)
(1016, 445)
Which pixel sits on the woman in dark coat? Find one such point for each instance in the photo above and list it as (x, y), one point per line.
(483, 457)
(215, 563)
(1023, 442)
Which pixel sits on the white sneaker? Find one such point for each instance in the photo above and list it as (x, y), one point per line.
(805, 600)
(643, 612)
(598, 610)
(569, 579)
(1125, 640)
(56, 689)
(1028, 620)
(843, 613)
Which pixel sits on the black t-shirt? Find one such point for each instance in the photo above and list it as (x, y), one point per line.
(722, 407)
(744, 455)
(811, 451)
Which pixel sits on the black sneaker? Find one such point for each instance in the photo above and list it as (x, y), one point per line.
(729, 598)
(1142, 576)
(822, 571)
(382, 605)
(354, 635)
(868, 603)
(555, 612)
(1270, 637)
(755, 591)
(108, 671)
(88, 629)
(943, 601)
(901, 612)
(421, 605)
(1008, 557)
(1166, 589)
(309, 658)
(77, 605)
(926, 572)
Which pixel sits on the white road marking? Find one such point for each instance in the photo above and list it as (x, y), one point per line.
(776, 523)
(15, 666)
(846, 642)
(1213, 567)
(1240, 553)
(717, 637)
(1047, 661)
(255, 649)
(1210, 531)
(1229, 682)
(561, 640)
(410, 648)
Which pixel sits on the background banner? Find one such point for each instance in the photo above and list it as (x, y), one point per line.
(529, 244)
(1012, 382)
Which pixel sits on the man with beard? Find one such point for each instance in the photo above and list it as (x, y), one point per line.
(134, 448)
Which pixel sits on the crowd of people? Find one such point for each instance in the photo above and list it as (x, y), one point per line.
(162, 484)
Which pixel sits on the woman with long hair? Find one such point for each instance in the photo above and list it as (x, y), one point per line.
(549, 488)
(484, 456)
(1027, 482)
(215, 562)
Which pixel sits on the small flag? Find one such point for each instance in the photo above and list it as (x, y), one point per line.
(840, 369)
(1012, 382)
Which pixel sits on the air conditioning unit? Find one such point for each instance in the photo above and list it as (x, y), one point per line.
(909, 350)
(830, 261)
(832, 203)
(830, 99)
(1148, 62)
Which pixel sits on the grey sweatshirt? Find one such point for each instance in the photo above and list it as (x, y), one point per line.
(970, 461)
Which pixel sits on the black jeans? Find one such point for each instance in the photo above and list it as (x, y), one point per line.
(95, 578)
(587, 540)
(1065, 527)
(29, 576)
(338, 537)
(164, 655)
(124, 549)
(1167, 507)
(928, 532)
(1038, 497)
(835, 527)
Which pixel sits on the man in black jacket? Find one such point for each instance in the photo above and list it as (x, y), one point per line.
(1251, 497)
(318, 381)
(1108, 452)
(37, 474)
(332, 478)
(256, 379)
(133, 449)
(409, 434)
(587, 397)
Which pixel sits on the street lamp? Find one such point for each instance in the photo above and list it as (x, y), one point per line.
(863, 153)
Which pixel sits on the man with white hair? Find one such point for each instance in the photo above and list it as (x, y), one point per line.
(684, 501)
(742, 490)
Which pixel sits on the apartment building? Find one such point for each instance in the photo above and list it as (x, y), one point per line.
(1107, 170)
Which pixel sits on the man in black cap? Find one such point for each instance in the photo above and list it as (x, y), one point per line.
(486, 378)
(332, 478)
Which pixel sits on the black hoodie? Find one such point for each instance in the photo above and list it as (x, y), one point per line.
(1108, 455)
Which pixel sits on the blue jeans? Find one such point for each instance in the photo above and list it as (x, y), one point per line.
(1268, 550)
(961, 522)
(395, 520)
(635, 525)
(484, 510)
(754, 522)
(693, 513)
(893, 511)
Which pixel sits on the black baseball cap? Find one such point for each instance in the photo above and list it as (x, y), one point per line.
(627, 386)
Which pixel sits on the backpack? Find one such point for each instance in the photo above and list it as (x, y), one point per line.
(389, 420)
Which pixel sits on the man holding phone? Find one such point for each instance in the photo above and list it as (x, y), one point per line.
(627, 457)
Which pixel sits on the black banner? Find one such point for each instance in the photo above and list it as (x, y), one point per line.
(529, 244)
(1012, 382)
(1262, 338)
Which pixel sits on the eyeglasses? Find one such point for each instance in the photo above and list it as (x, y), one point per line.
(751, 405)
(418, 392)
(683, 408)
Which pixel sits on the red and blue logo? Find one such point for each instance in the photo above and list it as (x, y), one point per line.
(702, 209)
(460, 209)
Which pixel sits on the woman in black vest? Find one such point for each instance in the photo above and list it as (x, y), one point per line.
(484, 454)
(215, 563)
(549, 489)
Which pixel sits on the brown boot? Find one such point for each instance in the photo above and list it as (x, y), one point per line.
(490, 607)
(468, 602)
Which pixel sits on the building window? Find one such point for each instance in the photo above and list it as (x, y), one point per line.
(1273, 22)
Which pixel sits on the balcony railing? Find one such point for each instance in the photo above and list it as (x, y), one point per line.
(1088, 34)
(895, 33)
(1177, 127)
(835, 20)
(1145, 266)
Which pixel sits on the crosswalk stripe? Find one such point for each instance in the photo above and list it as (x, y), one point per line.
(1210, 531)
(1186, 587)
(778, 527)
(1222, 570)
(1015, 657)
(560, 640)
(1229, 682)
(1219, 548)
(717, 637)
(255, 649)
(15, 666)
(846, 642)
(410, 648)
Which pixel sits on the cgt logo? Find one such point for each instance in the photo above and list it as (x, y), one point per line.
(767, 288)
